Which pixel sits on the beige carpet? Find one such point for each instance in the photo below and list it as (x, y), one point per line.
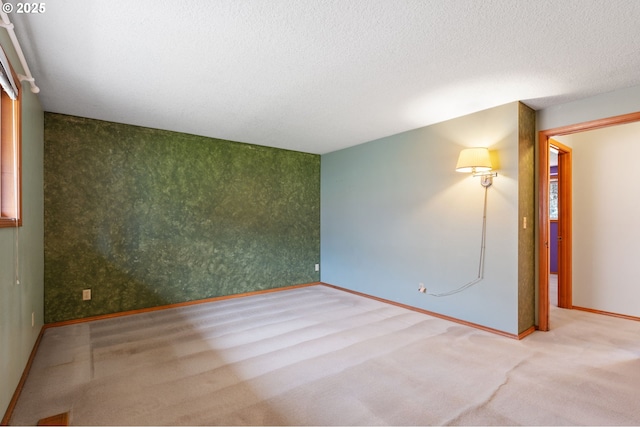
(320, 356)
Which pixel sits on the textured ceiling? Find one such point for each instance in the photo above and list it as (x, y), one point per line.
(321, 75)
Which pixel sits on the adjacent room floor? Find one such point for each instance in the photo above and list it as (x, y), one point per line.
(320, 356)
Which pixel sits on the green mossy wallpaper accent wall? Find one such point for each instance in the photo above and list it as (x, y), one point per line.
(145, 217)
(526, 208)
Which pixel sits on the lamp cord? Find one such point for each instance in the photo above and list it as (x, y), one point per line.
(482, 254)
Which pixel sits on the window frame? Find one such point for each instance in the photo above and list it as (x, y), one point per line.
(11, 148)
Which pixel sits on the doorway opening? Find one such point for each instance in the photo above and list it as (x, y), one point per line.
(545, 142)
(562, 239)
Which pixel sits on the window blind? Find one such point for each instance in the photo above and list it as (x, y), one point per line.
(6, 78)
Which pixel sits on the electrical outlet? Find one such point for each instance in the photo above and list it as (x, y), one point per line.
(33, 319)
(86, 294)
(317, 267)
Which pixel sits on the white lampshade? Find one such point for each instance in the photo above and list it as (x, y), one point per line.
(474, 160)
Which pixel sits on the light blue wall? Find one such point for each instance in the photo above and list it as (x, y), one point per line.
(601, 106)
(24, 248)
(395, 213)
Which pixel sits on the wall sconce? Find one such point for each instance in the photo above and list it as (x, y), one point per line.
(477, 161)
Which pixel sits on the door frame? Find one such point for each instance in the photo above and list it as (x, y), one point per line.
(543, 206)
(565, 221)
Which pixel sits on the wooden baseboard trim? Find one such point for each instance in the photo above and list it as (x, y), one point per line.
(23, 379)
(175, 305)
(606, 313)
(438, 315)
(526, 332)
(55, 420)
